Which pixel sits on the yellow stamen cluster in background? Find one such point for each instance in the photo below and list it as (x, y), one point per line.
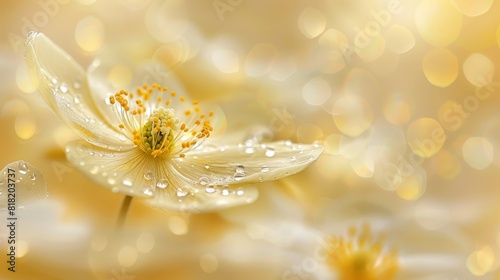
(361, 257)
(152, 124)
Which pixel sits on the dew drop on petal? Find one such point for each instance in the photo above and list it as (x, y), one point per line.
(181, 192)
(204, 181)
(207, 166)
(240, 169)
(162, 183)
(225, 192)
(148, 175)
(270, 152)
(210, 189)
(249, 150)
(63, 88)
(239, 176)
(264, 169)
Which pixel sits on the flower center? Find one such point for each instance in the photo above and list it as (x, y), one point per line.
(152, 124)
(361, 257)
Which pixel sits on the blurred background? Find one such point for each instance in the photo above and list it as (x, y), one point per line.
(403, 95)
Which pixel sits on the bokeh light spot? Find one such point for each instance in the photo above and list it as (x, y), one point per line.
(23, 79)
(311, 22)
(413, 186)
(438, 22)
(226, 61)
(25, 126)
(472, 8)
(120, 76)
(481, 261)
(177, 225)
(440, 66)
(425, 137)
(316, 91)
(90, 34)
(352, 115)
(399, 39)
(260, 59)
(209, 263)
(478, 152)
(127, 256)
(145, 242)
(99, 243)
(478, 69)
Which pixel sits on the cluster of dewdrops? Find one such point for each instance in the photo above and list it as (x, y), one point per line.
(160, 132)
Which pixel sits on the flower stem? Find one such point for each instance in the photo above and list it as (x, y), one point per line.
(123, 212)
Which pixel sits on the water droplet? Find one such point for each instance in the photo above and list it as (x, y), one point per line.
(76, 85)
(249, 150)
(238, 176)
(210, 189)
(225, 192)
(288, 142)
(148, 191)
(240, 192)
(207, 166)
(23, 167)
(148, 175)
(127, 182)
(91, 153)
(82, 163)
(162, 183)
(32, 177)
(261, 179)
(204, 181)
(294, 158)
(63, 87)
(240, 169)
(181, 192)
(115, 189)
(264, 169)
(76, 99)
(270, 152)
(54, 80)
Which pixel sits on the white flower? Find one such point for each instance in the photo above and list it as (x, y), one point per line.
(148, 143)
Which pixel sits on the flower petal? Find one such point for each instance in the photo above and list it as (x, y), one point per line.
(63, 85)
(134, 173)
(201, 181)
(247, 163)
(120, 171)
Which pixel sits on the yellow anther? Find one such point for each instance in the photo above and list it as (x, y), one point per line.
(121, 126)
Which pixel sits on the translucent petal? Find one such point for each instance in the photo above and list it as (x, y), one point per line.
(123, 67)
(120, 171)
(134, 173)
(249, 162)
(62, 83)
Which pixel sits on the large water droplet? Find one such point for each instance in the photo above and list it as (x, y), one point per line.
(162, 183)
(240, 169)
(225, 192)
(238, 176)
(23, 167)
(181, 192)
(204, 181)
(148, 191)
(148, 176)
(270, 152)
